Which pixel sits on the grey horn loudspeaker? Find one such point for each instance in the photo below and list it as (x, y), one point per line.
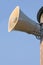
(19, 21)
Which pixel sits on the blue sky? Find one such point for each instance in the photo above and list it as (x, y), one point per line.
(18, 48)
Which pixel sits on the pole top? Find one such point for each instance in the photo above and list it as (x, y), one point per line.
(40, 12)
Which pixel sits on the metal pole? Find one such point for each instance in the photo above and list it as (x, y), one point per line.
(41, 44)
(41, 52)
